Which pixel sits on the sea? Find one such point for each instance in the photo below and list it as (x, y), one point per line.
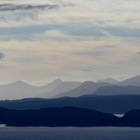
(69, 133)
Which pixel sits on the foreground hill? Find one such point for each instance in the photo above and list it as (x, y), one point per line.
(66, 116)
(131, 118)
(110, 104)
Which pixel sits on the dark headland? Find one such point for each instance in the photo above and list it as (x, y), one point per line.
(66, 116)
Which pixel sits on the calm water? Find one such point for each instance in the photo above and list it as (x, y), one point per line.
(69, 133)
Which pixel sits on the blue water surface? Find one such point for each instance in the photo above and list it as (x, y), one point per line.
(69, 133)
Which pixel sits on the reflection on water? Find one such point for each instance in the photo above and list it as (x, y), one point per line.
(119, 115)
(69, 133)
(2, 125)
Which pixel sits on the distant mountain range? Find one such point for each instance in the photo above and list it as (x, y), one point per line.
(66, 116)
(59, 88)
(134, 81)
(17, 90)
(85, 88)
(117, 90)
(105, 87)
(20, 89)
(117, 104)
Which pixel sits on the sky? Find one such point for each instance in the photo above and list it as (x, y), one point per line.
(73, 40)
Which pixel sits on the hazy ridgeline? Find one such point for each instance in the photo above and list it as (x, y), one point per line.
(60, 88)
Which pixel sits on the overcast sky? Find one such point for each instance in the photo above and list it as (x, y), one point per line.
(74, 40)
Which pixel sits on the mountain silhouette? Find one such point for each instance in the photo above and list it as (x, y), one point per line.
(54, 117)
(20, 89)
(134, 81)
(87, 87)
(131, 118)
(117, 90)
(17, 90)
(66, 116)
(117, 104)
(59, 88)
(62, 87)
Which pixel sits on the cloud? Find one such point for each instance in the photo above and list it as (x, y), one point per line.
(15, 7)
(109, 46)
(99, 51)
(29, 59)
(94, 53)
(2, 55)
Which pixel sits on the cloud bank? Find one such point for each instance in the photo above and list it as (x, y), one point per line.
(15, 7)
